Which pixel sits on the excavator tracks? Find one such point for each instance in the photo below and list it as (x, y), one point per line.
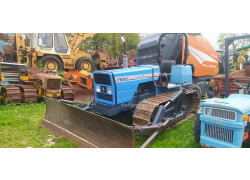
(144, 110)
(28, 93)
(67, 93)
(13, 94)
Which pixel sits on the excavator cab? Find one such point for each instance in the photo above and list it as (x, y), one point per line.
(54, 50)
(53, 42)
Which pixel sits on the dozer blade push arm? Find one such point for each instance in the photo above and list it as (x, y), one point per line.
(153, 136)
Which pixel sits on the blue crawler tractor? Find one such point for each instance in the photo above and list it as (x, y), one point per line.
(141, 100)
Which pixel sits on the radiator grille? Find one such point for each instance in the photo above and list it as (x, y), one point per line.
(220, 113)
(106, 97)
(219, 133)
(53, 84)
(102, 79)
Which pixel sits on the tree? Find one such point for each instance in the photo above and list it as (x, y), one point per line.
(235, 45)
(112, 42)
(114, 51)
(6, 36)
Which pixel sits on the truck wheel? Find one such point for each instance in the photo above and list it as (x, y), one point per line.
(198, 89)
(52, 63)
(197, 128)
(84, 63)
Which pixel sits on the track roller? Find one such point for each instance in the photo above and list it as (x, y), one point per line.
(67, 93)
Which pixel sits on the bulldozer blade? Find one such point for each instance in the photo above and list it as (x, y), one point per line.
(85, 128)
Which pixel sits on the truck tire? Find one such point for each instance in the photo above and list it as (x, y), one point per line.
(85, 63)
(197, 128)
(51, 62)
(198, 89)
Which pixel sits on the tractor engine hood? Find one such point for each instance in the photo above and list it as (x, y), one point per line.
(136, 73)
(236, 102)
(123, 83)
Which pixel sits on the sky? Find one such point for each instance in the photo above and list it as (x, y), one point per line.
(212, 38)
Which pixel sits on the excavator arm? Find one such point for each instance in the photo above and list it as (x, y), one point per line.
(20, 44)
(76, 41)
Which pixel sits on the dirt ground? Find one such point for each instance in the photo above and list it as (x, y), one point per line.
(83, 95)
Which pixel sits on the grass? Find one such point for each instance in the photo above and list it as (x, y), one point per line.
(180, 136)
(19, 128)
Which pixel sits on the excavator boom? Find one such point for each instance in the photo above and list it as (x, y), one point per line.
(77, 39)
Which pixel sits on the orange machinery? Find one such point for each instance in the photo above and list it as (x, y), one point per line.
(171, 47)
(79, 77)
(203, 57)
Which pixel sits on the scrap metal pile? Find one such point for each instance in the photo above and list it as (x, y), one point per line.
(21, 84)
(103, 60)
(219, 81)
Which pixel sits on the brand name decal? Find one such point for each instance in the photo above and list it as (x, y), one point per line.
(217, 122)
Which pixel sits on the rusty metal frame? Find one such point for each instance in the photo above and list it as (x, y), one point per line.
(228, 42)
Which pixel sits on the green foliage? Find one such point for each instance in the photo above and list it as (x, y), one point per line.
(112, 42)
(114, 51)
(6, 36)
(235, 45)
(40, 64)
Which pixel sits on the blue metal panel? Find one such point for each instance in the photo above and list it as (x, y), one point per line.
(181, 73)
(2, 44)
(224, 123)
(215, 143)
(233, 102)
(127, 81)
(221, 133)
(113, 102)
(172, 87)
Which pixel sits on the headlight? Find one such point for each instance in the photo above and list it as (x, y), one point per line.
(109, 90)
(98, 88)
(208, 111)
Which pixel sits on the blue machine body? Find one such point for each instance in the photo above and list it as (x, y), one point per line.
(124, 82)
(115, 90)
(222, 124)
(180, 74)
(2, 44)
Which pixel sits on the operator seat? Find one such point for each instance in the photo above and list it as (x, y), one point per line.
(165, 69)
(166, 66)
